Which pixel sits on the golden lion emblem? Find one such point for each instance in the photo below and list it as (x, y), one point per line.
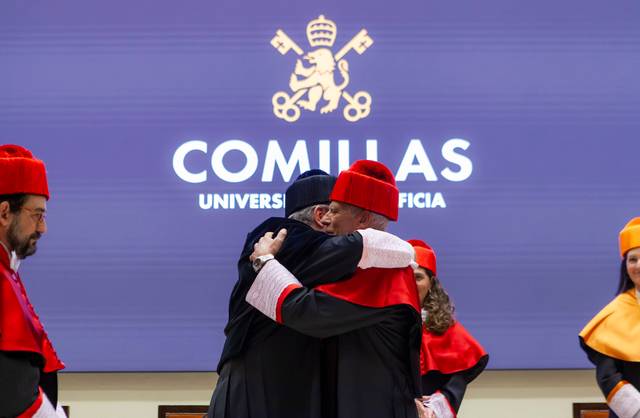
(317, 81)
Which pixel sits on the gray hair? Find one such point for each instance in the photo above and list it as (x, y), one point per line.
(305, 215)
(376, 221)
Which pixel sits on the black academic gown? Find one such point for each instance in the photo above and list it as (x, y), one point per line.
(372, 346)
(610, 341)
(610, 372)
(267, 370)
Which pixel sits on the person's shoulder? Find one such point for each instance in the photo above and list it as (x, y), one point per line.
(295, 230)
(621, 302)
(613, 331)
(627, 298)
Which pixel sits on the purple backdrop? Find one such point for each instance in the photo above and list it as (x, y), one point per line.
(542, 98)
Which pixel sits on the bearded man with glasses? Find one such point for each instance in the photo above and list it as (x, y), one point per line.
(28, 362)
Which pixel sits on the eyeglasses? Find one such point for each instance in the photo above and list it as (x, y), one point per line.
(37, 215)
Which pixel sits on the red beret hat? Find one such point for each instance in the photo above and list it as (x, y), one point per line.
(425, 256)
(368, 185)
(20, 172)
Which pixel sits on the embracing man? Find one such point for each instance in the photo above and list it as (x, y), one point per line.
(270, 371)
(371, 322)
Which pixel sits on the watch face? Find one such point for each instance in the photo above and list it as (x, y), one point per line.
(256, 263)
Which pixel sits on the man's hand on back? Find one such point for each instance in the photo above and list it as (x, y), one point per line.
(268, 244)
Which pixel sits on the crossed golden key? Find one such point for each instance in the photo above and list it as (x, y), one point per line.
(287, 108)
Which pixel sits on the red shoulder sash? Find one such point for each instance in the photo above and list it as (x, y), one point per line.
(376, 288)
(454, 351)
(20, 327)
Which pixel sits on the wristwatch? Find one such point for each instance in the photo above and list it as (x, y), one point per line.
(259, 262)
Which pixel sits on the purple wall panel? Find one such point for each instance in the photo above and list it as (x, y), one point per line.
(135, 275)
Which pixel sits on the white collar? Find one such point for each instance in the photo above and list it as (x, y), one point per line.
(14, 261)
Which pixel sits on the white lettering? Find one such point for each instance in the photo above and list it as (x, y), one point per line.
(421, 200)
(254, 201)
(234, 145)
(277, 201)
(265, 201)
(324, 155)
(415, 150)
(205, 204)
(438, 201)
(221, 201)
(299, 157)
(449, 154)
(343, 155)
(178, 162)
(242, 199)
(402, 200)
(372, 149)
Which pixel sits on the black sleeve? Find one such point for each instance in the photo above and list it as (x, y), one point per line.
(608, 371)
(19, 382)
(332, 260)
(456, 386)
(319, 315)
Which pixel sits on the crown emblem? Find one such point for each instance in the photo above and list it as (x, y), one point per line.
(321, 32)
(320, 82)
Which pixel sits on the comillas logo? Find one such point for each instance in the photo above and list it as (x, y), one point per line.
(450, 163)
(313, 83)
(316, 86)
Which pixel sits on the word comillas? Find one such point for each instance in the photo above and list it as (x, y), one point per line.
(415, 162)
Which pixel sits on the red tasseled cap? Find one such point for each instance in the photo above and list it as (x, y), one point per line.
(425, 256)
(20, 172)
(368, 185)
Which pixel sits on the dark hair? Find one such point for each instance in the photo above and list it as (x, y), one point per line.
(439, 307)
(625, 282)
(16, 201)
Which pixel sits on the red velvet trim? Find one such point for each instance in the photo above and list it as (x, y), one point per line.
(367, 193)
(20, 172)
(454, 351)
(376, 288)
(31, 411)
(281, 299)
(20, 325)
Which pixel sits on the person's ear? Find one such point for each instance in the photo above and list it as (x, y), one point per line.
(5, 213)
(364, 218)
(318, 214)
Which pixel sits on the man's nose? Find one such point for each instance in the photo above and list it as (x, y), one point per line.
(42, 226)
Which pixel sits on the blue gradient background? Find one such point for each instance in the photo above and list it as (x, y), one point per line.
(134, 276)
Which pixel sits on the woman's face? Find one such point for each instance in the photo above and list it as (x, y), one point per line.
(633, 266)
(423, 281)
